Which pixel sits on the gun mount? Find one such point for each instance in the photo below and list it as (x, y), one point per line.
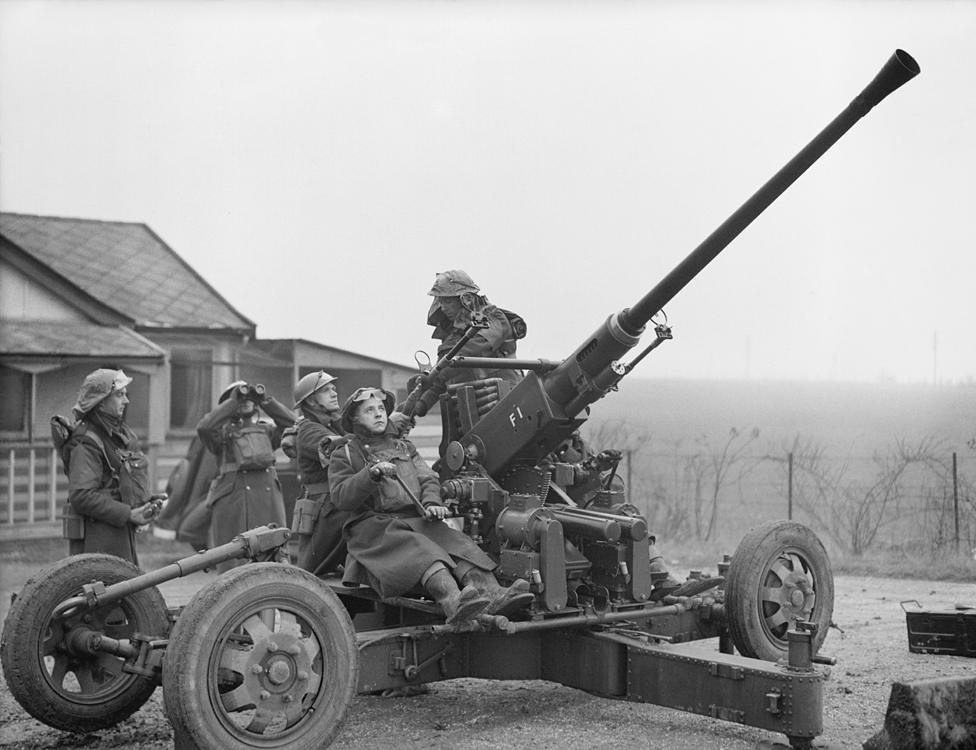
(544, 409)
(269, 655)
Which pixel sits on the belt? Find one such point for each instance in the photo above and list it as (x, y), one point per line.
(234, 467)
(317, 488)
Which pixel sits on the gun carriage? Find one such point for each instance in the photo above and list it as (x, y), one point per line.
(268, 655)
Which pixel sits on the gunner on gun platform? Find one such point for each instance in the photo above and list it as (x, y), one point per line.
(392, 547)
(456, 299)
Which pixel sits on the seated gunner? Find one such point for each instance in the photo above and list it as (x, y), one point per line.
(392, 547)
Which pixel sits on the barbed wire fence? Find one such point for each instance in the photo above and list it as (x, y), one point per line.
(908, 496)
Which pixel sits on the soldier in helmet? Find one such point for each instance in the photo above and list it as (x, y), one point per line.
(456, 298)
(394, 547)
(246, 492)
(108, 476)
(317, 522)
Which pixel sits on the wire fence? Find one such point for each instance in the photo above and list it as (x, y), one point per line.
(904, 497)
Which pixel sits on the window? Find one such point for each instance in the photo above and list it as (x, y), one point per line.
(191, 379)
(15, 387)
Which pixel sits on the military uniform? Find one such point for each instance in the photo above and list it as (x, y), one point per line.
(497, 340)
(246, 492)
(94, 490)
(390, 545)
(323, 549)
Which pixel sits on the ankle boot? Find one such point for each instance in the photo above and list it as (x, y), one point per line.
(458, 604)
(504, 600)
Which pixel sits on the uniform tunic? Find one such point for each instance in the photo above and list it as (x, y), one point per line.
(324, 549)
(94, 494)
(497, 340)
(390, 544)
(242, 498)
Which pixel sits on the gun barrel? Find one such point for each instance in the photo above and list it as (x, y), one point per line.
(900, 68)
(593, 363)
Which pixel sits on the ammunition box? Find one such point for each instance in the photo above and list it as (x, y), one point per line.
(951, 632)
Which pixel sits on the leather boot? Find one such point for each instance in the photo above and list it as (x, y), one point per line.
(458, 604)
(504, 600)
(666, 585)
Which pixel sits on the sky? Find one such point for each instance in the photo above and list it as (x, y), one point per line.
(318, 163)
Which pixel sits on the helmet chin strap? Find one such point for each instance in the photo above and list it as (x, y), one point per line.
(320, 412)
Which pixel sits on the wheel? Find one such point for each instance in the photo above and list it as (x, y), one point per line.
(60, 684)
(779, 573)
(263, 657)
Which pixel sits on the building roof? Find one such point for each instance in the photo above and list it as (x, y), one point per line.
(59, 339)
(126, 266)
(283, 348)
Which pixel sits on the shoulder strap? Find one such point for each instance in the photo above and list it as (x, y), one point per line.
(95, 438)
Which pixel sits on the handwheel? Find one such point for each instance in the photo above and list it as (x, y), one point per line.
(50, 673)
(779, 574)
(263, 657)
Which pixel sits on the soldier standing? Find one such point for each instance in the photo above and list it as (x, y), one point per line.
(317, 522)
(456, 299)
(246, 492)
(108, 476)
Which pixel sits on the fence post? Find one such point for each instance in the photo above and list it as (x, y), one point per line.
(52, 508)
(955, 500)
(789, 490)
(628, 477)
(11, 479)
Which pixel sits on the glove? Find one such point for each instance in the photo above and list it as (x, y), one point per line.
(402, 422)
(418, 379)
(608, 459)
(382, 469)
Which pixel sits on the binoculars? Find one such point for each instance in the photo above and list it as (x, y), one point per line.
(253, 393)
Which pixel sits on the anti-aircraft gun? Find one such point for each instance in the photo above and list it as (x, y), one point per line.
(268, 655)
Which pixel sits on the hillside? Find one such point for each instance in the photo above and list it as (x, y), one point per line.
(862, 416)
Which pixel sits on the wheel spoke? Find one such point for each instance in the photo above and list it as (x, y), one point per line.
(109, 664)
(293, 713)
(59, 670)
(237, 699)
(779, 569)
(311, 646)
(289, 624)
(777, 619)
(85, 678)
(234, 659)
(797, 563)
(256, 628)
(773, 594)
(262, 717)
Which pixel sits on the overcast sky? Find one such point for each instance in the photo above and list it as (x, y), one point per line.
(318, 162)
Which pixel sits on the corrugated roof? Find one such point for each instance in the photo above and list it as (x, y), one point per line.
(74, 340)
(126, 266)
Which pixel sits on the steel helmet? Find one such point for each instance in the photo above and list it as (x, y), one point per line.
(225, 394)
(311, 383)
(453, 284)
(363, 394)
(96, 387)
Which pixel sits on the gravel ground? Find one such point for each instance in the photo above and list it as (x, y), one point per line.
(870, 645)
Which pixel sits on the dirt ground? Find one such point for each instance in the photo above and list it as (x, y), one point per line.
(870, 645)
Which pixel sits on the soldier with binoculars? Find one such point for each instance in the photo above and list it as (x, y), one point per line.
(246, 492)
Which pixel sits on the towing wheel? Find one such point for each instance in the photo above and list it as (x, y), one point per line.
(779, 574)
(51, 665)
(263, 657)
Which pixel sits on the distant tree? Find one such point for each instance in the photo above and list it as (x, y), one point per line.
(854, 510)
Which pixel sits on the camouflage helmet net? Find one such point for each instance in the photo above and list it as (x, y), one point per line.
(96, 387)
(453, 284)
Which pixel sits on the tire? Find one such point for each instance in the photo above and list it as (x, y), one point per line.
(779, 573)
(78, 693)
(263, 657)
